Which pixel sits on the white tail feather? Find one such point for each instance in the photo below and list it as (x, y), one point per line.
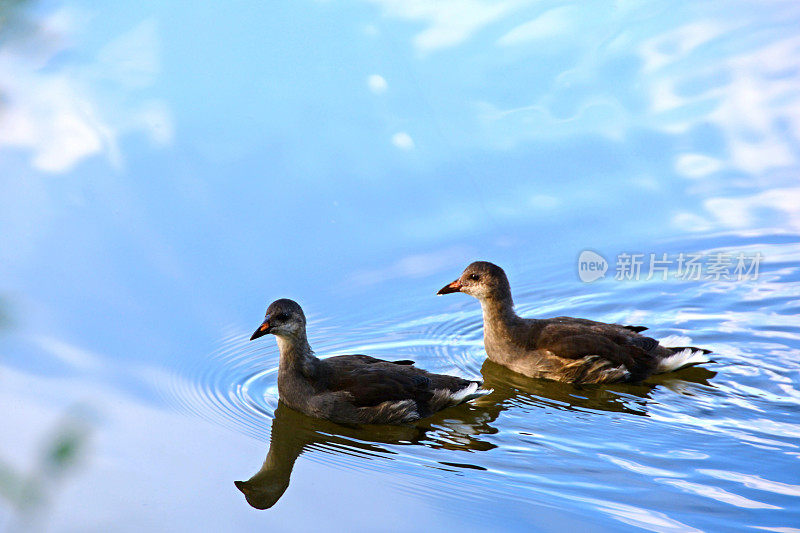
(687, 357)
(470, 392)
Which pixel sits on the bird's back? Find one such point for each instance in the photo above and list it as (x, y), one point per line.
(371, 381)
(577, 349)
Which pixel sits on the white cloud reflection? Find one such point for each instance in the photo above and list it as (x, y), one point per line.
(377, 83)
(414, 266)
(720, 84)
(556, 22)
(69, 354)
(745, 211)
(64, 112)
(696, 165)
(449, 22)
(403, 140)
(689, 75)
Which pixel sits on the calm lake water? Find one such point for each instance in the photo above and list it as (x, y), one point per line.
(166, 173)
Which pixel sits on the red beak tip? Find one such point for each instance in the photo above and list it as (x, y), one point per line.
(450, 288)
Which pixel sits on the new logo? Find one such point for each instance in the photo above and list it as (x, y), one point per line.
(591, 266)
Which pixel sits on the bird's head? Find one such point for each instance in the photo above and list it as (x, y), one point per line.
(483, 280)
(284, 318)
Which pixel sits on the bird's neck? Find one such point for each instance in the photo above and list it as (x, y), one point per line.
(498, 311)
(296, 354)
(498, 321)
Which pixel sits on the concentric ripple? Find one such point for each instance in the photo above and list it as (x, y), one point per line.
(236, 386)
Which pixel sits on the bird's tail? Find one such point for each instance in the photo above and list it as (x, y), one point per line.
(445, 397)
(470, 392)
(683, 356)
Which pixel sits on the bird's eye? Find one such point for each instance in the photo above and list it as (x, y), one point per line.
(474, 277)
(282, 316)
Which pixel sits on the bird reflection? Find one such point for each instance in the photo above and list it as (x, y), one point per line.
(462, 427)
(512, 388)
(294, 432)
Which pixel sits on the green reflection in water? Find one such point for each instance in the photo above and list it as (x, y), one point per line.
(31, 493)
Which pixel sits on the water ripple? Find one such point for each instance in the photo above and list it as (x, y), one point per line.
(728, 433)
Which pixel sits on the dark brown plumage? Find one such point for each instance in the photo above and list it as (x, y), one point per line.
(354, 388)
(564, 348)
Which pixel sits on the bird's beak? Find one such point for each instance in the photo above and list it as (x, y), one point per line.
(262, 330)
(451, 287)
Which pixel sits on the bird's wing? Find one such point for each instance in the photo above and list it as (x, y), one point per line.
(370, 381)
(597, 326)
(648, 344)
(367, 359)
(575, 341)
(636, 329)
(561, 327)
(576, 346)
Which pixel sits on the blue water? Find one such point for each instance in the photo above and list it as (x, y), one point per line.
(167, 172)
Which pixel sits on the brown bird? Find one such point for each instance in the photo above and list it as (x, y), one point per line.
(564, 348)
(355, 389)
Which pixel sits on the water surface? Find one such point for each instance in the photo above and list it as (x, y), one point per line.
(166, 173)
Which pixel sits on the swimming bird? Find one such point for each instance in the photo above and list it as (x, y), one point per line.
(355, 389)
(564, 348)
